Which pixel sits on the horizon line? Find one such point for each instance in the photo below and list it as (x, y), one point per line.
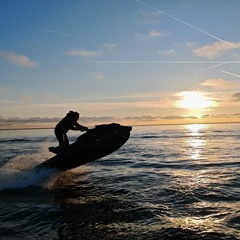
(133, 125)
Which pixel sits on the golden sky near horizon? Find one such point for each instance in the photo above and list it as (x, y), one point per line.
(133, 62)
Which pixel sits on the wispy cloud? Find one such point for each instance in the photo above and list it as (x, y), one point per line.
(110, 45)
(191, 44)
(16, 122)
(150, 18)
(84, 53)
(166, 52)
(150, 35)
(221, 115)
(236, 97)
(155, 33)
(154, 119)
(25, 98)
(148, 119)
(17, 59)
(96, 75)
(220, 84)
(215, 49)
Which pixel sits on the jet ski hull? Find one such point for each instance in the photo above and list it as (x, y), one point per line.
(94, 144)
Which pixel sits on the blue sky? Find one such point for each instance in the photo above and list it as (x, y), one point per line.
(129, 61)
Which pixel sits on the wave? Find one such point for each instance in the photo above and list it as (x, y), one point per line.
(16, 179)
(22, 140)
(19, 172)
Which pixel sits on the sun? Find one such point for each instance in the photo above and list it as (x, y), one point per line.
(194, 100)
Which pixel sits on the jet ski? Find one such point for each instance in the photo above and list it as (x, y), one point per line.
(96, 143)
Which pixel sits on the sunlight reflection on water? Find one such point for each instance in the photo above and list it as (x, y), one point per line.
(196, 141)
(167, 182)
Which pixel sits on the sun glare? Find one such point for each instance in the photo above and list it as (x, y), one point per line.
(194, 100)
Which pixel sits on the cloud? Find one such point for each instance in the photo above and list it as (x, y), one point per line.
(220, 84)
(50, 122)
(236, 97)
(154, 33)
(25, 98)
(191, 44)
(26, 120)
(221, 115)
(151, 35)
(185, 23)
(215, 49)
(175, 117)
(151, 18)
(157, 119)
(84, 53)
(16, 122)
(166, 52)
(17, 59)
(97, 75)
(110, 45)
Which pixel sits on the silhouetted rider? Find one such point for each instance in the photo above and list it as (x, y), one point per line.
(67, 123)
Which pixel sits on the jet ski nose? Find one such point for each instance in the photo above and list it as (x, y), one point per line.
(129, 128)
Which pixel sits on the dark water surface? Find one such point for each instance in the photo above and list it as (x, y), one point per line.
(166, 182)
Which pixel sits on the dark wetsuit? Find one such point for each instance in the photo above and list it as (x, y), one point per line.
(66, 124)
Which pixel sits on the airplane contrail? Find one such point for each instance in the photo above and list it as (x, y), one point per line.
(231, 74)
(219, 63)
(160, 62)
(189, 25)
(67, 35)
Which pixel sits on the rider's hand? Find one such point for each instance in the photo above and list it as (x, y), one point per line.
(84, 129)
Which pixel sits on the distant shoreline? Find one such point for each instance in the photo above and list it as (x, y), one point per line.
(7, 129)
(134, 125)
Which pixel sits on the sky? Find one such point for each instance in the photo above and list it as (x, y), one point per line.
(135, 62)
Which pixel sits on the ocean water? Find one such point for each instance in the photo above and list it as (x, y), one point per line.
(166, 182)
